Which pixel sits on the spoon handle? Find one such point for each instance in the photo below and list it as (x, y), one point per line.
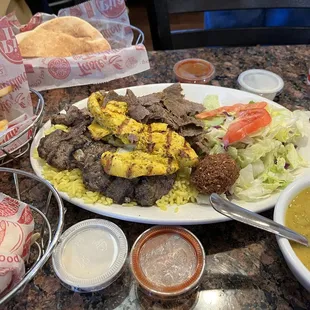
(237, 213)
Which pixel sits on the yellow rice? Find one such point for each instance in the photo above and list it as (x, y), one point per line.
(71, 182)
(181, 193)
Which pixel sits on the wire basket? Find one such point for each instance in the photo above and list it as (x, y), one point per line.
(48, 214)
(138, 34)
(31, 131)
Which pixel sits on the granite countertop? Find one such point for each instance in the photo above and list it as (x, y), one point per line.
(244, 266)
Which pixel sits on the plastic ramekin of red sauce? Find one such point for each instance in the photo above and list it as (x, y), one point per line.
(167, 261)
(194, 70)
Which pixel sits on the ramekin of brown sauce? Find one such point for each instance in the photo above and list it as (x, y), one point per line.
(167, 262)
(194, 70)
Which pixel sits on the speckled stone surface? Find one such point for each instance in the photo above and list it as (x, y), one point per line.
(244, 266)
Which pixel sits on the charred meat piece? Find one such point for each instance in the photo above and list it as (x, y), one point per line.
(76, 131)
(73, 117)
(173, 100)
(96, 149)
(111, 96)
(121, 190)
(190, 131)
(58, 147)
(199, 143)
(215, 174)
(50, 143)
(150, 99)
(62, 157)
(137, 111)
(174, 90)
(91, 151)
(159, 114)
(94, 178)
(150, 189)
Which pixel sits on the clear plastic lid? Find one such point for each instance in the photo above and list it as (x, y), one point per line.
(167, 261)
(260, 81)
(90, 255)
(194, 70)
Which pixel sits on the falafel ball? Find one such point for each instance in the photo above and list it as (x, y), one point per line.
(215, 174)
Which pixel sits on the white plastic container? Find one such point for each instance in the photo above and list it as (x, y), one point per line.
(261, 82)
(90, 255)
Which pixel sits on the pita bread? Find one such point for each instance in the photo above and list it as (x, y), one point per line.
(62, 37)
(73, 26)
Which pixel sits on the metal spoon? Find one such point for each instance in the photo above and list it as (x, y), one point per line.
(237, 213)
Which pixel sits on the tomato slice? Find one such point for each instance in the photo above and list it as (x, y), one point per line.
(233, 108)
(248, 121)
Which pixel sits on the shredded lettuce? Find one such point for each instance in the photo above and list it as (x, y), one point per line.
(211, 102)
(269, 158)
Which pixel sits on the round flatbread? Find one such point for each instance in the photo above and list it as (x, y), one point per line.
(62, 37)
(73, 26)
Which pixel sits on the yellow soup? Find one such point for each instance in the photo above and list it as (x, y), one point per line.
(298, 219)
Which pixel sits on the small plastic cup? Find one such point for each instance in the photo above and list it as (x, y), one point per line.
(194, 70)
(167, 262)
(90, 255)
(261, 82)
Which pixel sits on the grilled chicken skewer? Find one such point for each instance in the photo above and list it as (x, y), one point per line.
(155, 139)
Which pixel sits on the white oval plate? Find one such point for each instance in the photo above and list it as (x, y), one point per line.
(190, 213)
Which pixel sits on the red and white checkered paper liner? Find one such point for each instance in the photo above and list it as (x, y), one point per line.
(110, 17)
(16, 107)
(16, 228)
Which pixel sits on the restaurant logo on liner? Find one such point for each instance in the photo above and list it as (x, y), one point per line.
(110, 32)
(8, 207)
(88, 67)
(75, 11)
(131, 62)
(35, 21)
(8, 46)
(26, 246)
(59, 68)
(9, 259)
(2, 231)
(15, 241)
(111, 8)
(26, 216)
(89, 10)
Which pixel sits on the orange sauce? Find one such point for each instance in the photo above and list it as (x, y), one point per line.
(194, 71)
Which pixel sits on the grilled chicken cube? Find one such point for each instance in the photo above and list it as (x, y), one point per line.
(97, 131)
(136, 163)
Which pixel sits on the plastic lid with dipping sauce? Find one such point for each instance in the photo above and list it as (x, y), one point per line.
(167, 261)
(90, 255)
(261, 82)
(194, 70)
